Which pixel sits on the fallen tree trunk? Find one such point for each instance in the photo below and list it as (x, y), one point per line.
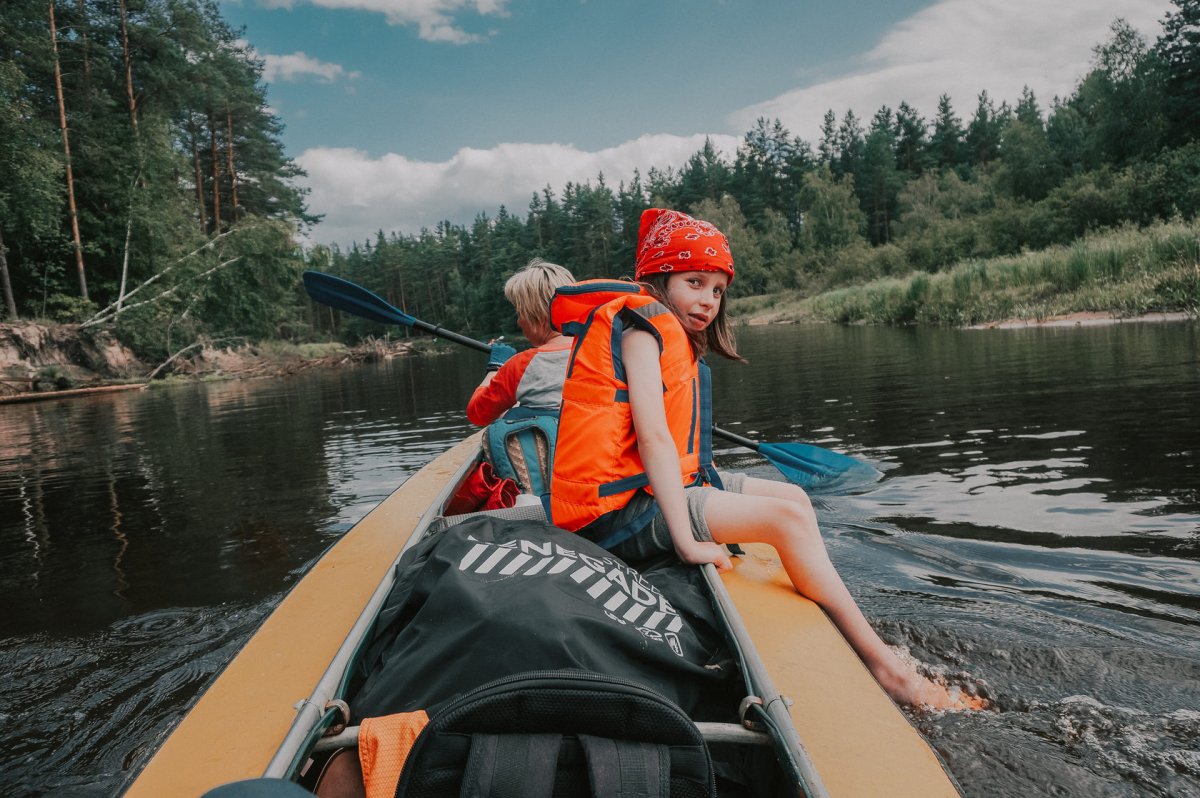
(37, 396)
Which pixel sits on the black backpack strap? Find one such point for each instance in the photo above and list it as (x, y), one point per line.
(626, 769)
(511, 766)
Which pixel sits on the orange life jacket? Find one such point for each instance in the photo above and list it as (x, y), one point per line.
(597, 466)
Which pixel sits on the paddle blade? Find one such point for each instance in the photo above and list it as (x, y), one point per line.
(816, 469)
(354, 299)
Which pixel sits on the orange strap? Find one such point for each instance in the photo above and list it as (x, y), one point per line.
(383, 745)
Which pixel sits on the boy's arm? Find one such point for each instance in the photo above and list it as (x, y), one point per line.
(657, 449)
(498, 391)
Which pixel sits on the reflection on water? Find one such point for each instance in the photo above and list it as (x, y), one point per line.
(1036, 531)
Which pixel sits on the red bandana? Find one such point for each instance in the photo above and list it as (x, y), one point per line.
(670, 241)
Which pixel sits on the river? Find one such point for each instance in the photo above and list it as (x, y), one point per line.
(1036, 533)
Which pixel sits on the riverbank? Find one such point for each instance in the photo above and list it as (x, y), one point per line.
(1089, 319)
(1131, 274)
(1078, 319)
(39, 361)
(1114, 275)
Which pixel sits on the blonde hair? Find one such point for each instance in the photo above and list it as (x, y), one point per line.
(532, 287)
(717, 337)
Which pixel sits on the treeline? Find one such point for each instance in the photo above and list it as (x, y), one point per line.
(142, 178)
(886, 196)
(143, 185)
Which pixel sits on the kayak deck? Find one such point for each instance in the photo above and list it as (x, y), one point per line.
(859, 741)
(236, 726)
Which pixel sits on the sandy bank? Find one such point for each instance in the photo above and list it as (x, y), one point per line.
(1077, 319)
(1081, 319)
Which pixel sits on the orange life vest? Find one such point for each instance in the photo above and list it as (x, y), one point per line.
(597, 466)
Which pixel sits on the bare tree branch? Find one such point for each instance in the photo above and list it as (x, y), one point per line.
(109, 313)
(105, 313)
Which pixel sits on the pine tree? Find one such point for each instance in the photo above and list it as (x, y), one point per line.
(1028, 112)
(72, 205)
(912, 141)
(704, 176)
(946, 141)
(769, 171)
(850, 143)
(827, 148)
(983, 132)
(1179, 50)
(878, 182)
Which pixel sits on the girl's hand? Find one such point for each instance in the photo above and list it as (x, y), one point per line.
(698, 553)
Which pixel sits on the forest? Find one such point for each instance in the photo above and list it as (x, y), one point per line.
(144, 187)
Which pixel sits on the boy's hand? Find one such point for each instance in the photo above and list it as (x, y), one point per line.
(698, 553)
(500, 353)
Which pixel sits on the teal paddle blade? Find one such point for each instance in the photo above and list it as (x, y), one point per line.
(817, 469)
(354, 299)
(358, 301)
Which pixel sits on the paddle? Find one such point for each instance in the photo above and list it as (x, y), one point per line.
(354, 299)
(804, 464)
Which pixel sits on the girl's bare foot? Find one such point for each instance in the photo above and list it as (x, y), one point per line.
(935, 695)
(909, 688)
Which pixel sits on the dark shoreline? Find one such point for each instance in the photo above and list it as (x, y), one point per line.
(246, 363)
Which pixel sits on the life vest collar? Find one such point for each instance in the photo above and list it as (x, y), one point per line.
(573, 304)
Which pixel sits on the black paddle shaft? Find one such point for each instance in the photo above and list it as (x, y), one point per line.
(734, 438)
(450, 335)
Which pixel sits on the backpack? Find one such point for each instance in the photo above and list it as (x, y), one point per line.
(520, 447)
(489, 597)
(561, 733)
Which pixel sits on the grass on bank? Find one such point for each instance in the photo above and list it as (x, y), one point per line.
(1126, 272)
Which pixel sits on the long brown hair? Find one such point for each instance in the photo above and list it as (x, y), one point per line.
(716, 337)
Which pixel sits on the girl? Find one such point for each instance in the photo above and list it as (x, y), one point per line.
(634, 474)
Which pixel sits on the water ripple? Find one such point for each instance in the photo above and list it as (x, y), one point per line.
(91, 708)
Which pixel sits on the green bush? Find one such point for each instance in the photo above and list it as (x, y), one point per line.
(69, 309)
(1180, 290)
(52, 378)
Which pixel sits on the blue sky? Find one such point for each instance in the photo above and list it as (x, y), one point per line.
(405, 112)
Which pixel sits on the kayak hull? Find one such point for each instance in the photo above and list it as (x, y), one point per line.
(236, 727)
(260, 713)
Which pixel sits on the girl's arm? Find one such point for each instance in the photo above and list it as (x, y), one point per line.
(639, 350)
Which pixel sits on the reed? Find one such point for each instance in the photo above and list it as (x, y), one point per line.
(1128, 271)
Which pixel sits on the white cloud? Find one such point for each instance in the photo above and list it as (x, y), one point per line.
(956, 47)
(434, 19)
(962, 47)
(361, 195)
(298, 65)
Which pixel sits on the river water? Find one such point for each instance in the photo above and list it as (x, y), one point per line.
(1036, 534)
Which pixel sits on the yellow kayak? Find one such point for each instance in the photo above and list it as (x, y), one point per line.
(832, 728)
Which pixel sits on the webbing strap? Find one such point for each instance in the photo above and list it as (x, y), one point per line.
(511, 766)
(627, 530)
(706, 425)
(626, 769)
(527, 439)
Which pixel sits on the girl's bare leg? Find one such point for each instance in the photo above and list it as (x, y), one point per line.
(781, 515)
